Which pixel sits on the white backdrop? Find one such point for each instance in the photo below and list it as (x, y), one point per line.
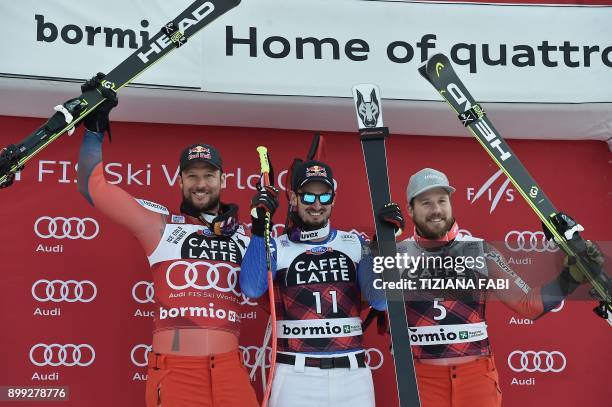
(51, 46)
(359, 41)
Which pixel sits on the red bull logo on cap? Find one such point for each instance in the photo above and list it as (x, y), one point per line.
(316, 171)
(199, 152)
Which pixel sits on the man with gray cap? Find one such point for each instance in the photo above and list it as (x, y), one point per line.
(448, 330)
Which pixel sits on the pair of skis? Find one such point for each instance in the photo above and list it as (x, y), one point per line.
(173, 35)
(441, 75)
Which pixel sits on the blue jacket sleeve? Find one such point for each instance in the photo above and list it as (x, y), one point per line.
(253, 271)
(366, 277)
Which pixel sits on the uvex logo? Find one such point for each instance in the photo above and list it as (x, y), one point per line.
(483, 128)
(308, 235)
(163, 41)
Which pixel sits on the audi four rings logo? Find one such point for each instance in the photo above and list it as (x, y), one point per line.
(541, 361)
(143, 292)
(187, 275)
(139, 354)
(57, 354)
(59, 290)
(47, 227)
(529, 242)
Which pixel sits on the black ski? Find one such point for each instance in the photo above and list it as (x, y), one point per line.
(440, 73)
(173, 35)
(373, 134)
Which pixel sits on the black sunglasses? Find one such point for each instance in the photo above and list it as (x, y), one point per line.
(308, 198)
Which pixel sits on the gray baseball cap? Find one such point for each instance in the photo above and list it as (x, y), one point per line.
(425, 180)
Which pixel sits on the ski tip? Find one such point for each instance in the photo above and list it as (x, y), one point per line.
(365, 87)
(368, 105)
(436, 64)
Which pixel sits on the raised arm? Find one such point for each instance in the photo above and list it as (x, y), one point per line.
(112, 201)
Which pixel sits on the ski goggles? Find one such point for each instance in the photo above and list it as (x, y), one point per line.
(308, 198)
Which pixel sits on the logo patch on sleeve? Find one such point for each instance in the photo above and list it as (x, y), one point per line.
(154, 207)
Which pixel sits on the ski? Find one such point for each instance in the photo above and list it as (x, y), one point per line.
(373, 133)
(565, 231)
(172, 35)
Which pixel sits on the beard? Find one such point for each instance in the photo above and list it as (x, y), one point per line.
(189, 207)
(315, 225)
(428, 232)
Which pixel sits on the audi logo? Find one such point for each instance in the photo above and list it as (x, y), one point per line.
(187, 275)
(47, 227)
(541, 361)
(250, 355)
(145, 294)
(69, 291)
(139, 354)
(529, 242)
(57, 354)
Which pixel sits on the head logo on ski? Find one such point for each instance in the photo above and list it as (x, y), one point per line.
(439, 67)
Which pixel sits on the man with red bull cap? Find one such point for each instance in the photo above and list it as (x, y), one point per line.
(195, 359)
(448, 331)
(321, 275)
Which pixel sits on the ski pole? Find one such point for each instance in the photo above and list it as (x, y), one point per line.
(265, 181)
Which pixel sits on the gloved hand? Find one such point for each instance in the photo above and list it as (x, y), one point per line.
(265, 200)
(392, 214)
(8, 158)
(97, 120)
(593, 254)
(10, 179)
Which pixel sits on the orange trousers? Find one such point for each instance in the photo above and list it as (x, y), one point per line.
(196, 381)
(472, 384)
